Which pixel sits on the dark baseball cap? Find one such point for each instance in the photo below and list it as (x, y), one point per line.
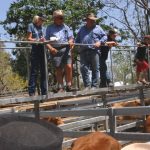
(42, 16)
(113, 31)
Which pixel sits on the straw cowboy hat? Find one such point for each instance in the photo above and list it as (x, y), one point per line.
(57, 13)
(23, 133)
(91, 16)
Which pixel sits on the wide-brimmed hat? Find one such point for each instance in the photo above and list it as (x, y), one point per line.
(23, 133)
(57, 13)
(91, 16)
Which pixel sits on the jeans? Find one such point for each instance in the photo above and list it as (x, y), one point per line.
(37, 64)
(89, 60)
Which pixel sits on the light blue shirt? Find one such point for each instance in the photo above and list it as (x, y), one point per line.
(62, 32)
(37, 31)
(91, 36)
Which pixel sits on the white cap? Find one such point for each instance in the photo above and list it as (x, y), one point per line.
(58, 13)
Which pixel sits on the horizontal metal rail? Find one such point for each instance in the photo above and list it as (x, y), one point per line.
(82, 122)
(52, 42)
(140, 110)
(5, 101)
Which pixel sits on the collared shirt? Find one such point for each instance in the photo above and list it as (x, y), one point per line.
(91, 36)
(61, 32)
(37, 31)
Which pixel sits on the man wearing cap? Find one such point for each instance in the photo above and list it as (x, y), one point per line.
(61, 33)
(104, 76)
(92, 36)
(36, 33)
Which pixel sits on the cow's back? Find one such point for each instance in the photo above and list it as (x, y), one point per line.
(96, 141)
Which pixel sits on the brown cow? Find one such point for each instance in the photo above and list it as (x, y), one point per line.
(96, 141)
(56, 120)
(147, 124)
(127, 104)
(137, 146)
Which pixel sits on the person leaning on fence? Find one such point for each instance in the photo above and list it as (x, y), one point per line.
(36, 33)
(58, 32)
(105, 79)
(93, 35)
(141, 63)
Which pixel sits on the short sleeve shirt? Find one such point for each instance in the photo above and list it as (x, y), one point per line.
(37, 31)
(61, 32)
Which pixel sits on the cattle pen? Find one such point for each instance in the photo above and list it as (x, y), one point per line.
(84, 112)
(90, 110)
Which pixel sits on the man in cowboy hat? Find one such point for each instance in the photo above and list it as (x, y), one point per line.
(61, 54)
(93, 36)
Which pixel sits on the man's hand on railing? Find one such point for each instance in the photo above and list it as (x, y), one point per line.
(53, 51)
(97, 44)
(111, 43)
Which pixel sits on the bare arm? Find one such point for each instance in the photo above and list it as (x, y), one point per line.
(51, 49)
(29, 37)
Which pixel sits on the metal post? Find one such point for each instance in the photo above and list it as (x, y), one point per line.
(28, 63)
(141, 96)
(36, 110)
(131, 66)
(77, 74)
(111, 64)
(104, 105)
(46, 70)
(112, 122)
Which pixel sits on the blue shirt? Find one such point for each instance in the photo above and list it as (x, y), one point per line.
(62, 32)
(37, 31)
(91, 36)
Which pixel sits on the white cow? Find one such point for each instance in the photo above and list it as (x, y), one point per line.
(137, 146)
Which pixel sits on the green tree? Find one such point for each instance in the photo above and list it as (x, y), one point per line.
(123, 66)
(20, 14)
(9, 80)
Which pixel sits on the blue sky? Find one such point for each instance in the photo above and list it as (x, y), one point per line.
(3, 11)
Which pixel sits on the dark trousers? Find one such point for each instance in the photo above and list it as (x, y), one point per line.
(37, 64)
(104, 78)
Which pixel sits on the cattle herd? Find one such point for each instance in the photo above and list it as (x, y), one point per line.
(102, 141)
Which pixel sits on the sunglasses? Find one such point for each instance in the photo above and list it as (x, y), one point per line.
(60, 18)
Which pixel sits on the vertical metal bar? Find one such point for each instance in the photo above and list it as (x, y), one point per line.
(77, 75)
(36, 110)
(28, 63)
(106, 126)
(46, 70)
(112, 124)
(96, 126)
(131, 69)
(141, 96)
(111, 64)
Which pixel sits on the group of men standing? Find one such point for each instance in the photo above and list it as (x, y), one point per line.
(95, 45)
